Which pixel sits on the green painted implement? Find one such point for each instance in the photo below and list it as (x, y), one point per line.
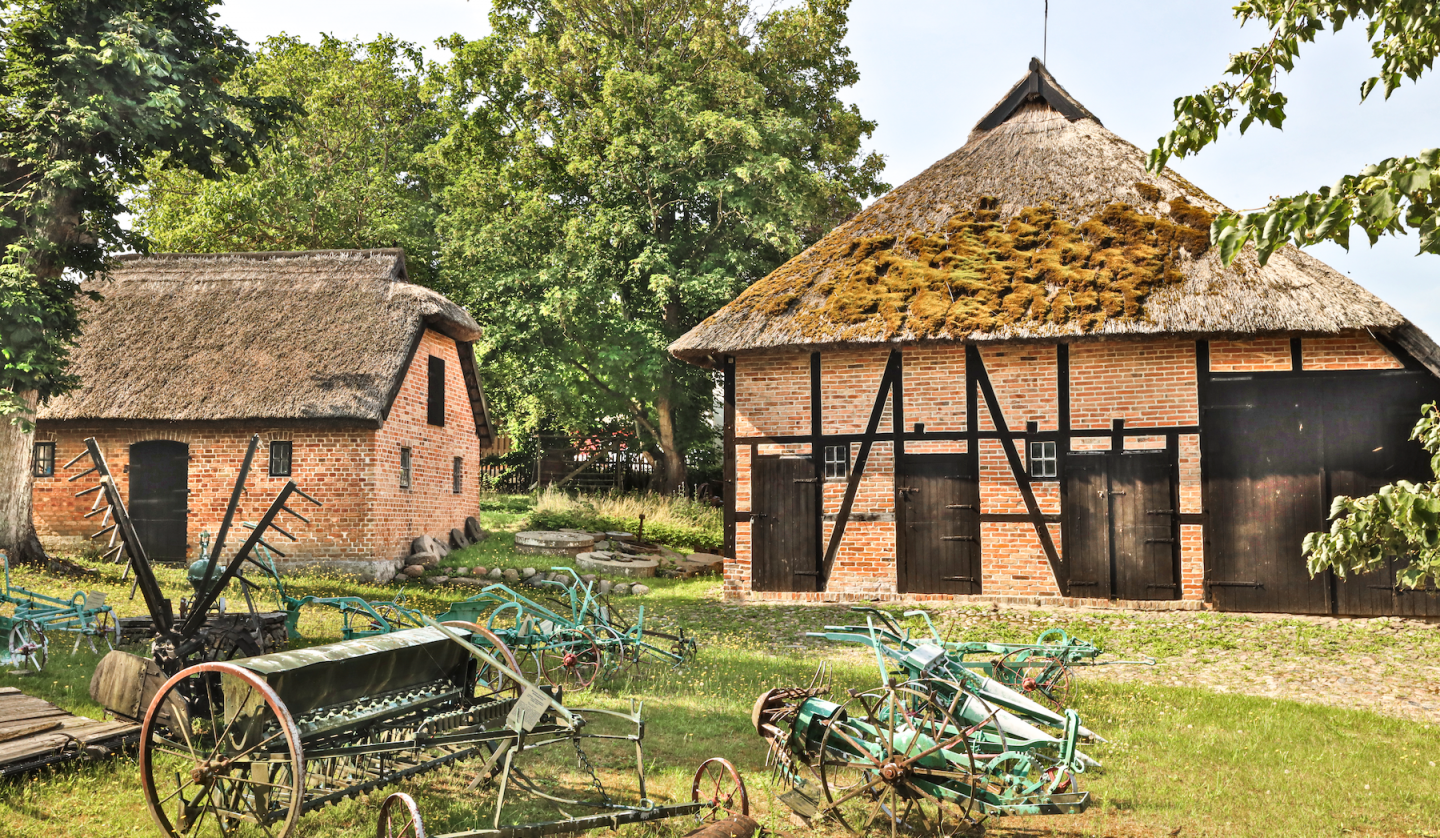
(35, 616)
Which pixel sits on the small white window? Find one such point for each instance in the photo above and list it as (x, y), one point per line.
(837, 462)
(1042, 460)
(405, 468)
(457, 478)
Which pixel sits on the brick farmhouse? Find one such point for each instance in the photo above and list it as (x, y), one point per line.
(1026, 374)
(362, 387)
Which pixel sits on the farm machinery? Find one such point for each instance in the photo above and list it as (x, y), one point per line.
(249, 746)
(575, 636)
(938, 747)
(201, 631)
(36, 616)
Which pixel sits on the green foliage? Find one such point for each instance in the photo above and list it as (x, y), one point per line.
(345, 174)
(90, 92)
(1402, 521)
(1392, 196)
(622, 171)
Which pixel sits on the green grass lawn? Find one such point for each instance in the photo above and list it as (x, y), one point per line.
(1178, 758)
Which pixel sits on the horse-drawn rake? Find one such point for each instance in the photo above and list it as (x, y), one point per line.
(576, 636)
(247, 747)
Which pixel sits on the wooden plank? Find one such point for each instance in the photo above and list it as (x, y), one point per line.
(940, 499)
(729, 462)
(28, 729)
(1142, 522)
(1086, 525)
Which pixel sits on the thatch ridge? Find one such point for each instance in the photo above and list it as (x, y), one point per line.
(1077, 171)
(313, 335)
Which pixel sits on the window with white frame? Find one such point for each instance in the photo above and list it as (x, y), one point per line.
(405, 470)
(281, 453)
(44, 459)
(837, 462)
(1043, 462)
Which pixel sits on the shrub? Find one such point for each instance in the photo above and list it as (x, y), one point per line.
(673, 520)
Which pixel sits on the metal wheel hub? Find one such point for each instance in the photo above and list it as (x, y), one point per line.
(204, 773)
(893, 771)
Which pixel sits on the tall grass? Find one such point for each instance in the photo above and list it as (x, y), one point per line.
(669, 519)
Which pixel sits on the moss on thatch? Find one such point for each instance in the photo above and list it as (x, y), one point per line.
(980, 273)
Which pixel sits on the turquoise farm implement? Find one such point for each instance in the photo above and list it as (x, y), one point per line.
(573, 638)
(906, 758)
(36, 615)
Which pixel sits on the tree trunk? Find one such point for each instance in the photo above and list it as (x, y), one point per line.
(672, 478)
(17, 525)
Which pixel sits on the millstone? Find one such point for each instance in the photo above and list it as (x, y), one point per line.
(705, 558)
(553, 543)
(597, 562)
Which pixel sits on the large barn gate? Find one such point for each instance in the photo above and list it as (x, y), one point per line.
(1277, 449)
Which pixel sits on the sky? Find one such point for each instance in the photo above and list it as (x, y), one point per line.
(930, 69)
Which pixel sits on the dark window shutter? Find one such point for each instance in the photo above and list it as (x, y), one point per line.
(435, 414)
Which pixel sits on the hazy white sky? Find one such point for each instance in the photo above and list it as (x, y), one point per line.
(931, 68)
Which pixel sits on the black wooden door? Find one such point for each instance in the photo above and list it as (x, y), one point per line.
(1142, 535)
(785, 524)
(1118, 525)
(159, 497)
(1085, 527)
(940, 525)
(1263, 459)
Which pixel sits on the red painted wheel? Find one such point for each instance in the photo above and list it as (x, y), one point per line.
(570, 660)
(219, 750)
(491, 682)
(718, 784)
(399, 817)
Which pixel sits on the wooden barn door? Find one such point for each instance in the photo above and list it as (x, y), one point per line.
(784, 522)
(160, 497)
(1263, 454)
(1119, 525)
(940, 521)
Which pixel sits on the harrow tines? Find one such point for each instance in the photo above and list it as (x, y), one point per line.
(276, 528)
(90, 470)
(302, 494)
(75, 459)
(296, 514)
(85, 492)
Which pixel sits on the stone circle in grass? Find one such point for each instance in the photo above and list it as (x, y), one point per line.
(612, 565)
(553, 543)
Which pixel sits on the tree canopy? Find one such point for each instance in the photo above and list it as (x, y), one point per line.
(348, 172)
(622, 171)
(1390, 197)
(91, 91)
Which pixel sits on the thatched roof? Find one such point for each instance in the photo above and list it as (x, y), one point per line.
(1045, 225)
(243, 336)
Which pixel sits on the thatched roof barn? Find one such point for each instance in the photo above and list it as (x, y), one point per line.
(1043, 225)
(227, 336)
(362, 387)
(1025, 373)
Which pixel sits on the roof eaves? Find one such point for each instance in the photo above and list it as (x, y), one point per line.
(1039, 84)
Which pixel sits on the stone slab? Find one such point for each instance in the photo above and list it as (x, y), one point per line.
(553, 543)
(638, 568)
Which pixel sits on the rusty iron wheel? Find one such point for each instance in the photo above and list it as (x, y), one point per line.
(225, 767)
(720, 785)
(920, 744)
(491, 683)
(399, 817)
(570, 659)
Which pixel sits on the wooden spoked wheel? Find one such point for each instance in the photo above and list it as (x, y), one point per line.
(570, 660)
(220, 755)
(896, 761)
(399, 818)
(618, 651)
(28, 647)
(721, 787)
(490, 681)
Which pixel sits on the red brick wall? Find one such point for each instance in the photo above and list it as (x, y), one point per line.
(1259, 355)
(429, 506)
(353, 471)
(1346, 352)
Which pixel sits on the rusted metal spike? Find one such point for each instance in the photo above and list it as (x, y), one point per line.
(77, 458)
(307, 497)
(276, 528)
(296, 514)
(90, 470)
(102, 532)
(94, 488)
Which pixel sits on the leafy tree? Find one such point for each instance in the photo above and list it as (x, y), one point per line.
(345, 174)
(625, 168)
(1389, 197)
(1402, 519)
(90, 90)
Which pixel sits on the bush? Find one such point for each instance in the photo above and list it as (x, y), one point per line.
(675, 521)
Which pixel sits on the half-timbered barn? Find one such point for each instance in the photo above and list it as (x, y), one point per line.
(362, 386)
(1026, 373)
